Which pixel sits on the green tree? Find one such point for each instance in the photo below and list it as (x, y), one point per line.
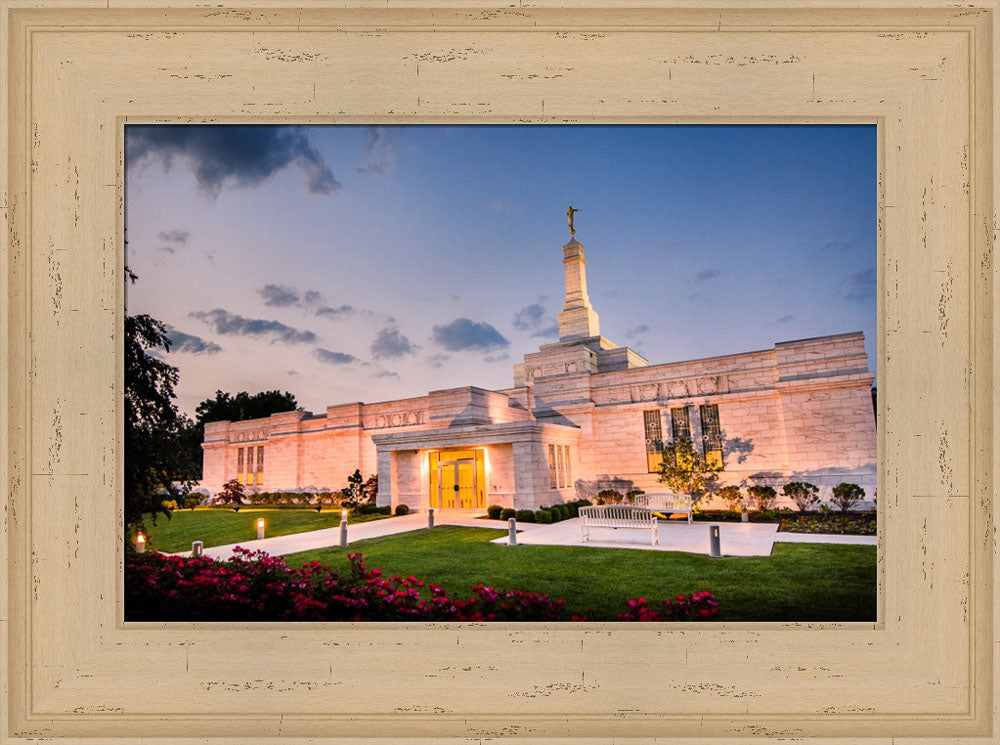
(685, 471)
(232, 493)
(847, 495)
(157, 466)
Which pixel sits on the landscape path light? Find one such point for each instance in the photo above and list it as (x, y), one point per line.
(714, 541)
(140, 544)
(260, 528)
(430, 517)
(512, 531)
(343, 527)
(197, 549)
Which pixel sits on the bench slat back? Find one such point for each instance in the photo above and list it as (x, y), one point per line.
(663, 502)
(613, 515)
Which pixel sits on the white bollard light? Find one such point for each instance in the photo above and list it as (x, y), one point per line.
(260, 528)
(343, 527)
(140, 544)
(512, 532)
(197, 549)
(430, 517)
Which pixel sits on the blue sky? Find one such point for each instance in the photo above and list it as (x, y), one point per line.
(359, 263)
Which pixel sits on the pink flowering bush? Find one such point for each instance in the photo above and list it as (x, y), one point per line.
(253, 586)
(698, 606)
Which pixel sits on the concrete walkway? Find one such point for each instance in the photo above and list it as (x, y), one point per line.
(313, 539)
(855, 540)
(736, 539)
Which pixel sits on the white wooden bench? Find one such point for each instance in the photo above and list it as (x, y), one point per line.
(665, 503)
(618, 516)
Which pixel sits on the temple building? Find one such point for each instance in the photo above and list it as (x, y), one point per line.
(584, 414)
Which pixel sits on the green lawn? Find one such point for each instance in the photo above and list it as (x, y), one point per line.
(222, 527)
(798, 582)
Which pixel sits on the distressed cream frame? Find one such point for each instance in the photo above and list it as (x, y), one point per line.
(76, 70)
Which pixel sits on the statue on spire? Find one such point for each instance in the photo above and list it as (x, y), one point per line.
(569, 214)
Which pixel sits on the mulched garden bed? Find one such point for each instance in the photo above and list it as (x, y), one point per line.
(839, 523)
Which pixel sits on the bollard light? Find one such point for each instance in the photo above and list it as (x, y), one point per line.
(197, 549)
(140, 544)
(260, 528)
(430, 517)
(512, 532)
(714, 543)
(343, 527)
(745, 516)
(343, 514)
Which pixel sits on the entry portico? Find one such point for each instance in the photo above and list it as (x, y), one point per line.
(468, 467)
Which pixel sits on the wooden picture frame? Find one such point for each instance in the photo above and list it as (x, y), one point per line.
(77, 70)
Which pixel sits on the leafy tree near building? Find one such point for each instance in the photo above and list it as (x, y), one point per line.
(685, 471)
(158, 467)
(804, 494)
(232, 493)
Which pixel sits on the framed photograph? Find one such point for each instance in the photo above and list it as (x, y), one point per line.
(79, 78)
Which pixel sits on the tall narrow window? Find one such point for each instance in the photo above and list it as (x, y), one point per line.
(552, 467)
(250, 464)
(239, 465)
(560, 467)
(711, 434)
(680, 423)
(654, 440)
(260, 464)
(569, 477)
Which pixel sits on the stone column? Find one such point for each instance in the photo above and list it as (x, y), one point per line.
(384, 497)
(531, 474)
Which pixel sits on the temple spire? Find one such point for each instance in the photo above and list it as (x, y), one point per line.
(578, 319)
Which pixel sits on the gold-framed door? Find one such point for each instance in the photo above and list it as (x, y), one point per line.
(457, 479)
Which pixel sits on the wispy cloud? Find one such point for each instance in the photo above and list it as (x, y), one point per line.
(534, 317)
(860, 286)
(390, 344)
(634, 332)
(227, 323)
(496, 357)
(280, 296)
(380, 151)
(327, 311)
(706, 274)
(463, 334)
(437, 359)
(785, 319)
(230, 156)
(172, 239)
(189, 343)
(333, 358)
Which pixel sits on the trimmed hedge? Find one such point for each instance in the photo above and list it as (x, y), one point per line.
(493, 511)
(543, 516)
(525, 516)
(402, 509)
(507, 513)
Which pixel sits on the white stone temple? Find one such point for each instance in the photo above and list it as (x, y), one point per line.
(584, 414)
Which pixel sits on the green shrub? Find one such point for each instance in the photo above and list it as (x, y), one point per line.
(493, 511)
(563, 511)
(507, 513)
(402, 509)
(608, 496)
(733, 497)
(804, 494)
(847, 495)
(630, 497)
(543, 516)
(572, 509)
(763, 496)
(525, 516)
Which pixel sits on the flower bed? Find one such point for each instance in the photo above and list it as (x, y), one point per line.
(850, 523)
(256, 587)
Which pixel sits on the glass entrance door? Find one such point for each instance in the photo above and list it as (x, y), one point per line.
(457, 483)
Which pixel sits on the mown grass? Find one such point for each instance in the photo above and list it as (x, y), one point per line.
(798, 582)
(223, 527)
